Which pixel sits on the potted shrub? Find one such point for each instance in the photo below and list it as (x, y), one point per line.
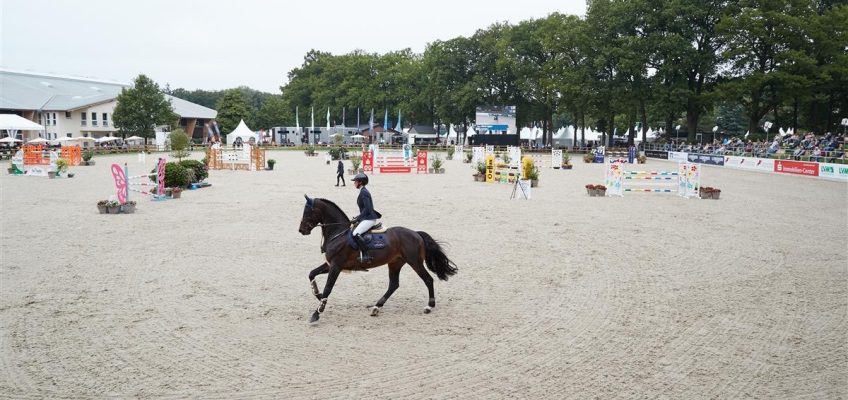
(129, 207)
(437, 165)
(102, 206)
(451, 151)
(590, 189)
(196, 171)
(705, 192)
(588, 157)
(175, 192)
(61, 166)
(480, 175)
(271, 163)
(533, 175)
(468, 157)
(354, 163)
(641, 159)
(600, 190)
(716, 193)
(566, 160)
(310, 151)
(113, 206)
(86, 157)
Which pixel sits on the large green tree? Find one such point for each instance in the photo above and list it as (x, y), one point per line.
(141, 108)
(232, 108)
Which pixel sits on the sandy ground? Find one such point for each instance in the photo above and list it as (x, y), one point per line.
(563, 296)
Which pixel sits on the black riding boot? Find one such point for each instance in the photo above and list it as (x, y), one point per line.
(364, 257)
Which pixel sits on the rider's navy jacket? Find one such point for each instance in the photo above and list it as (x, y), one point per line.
(366, 206)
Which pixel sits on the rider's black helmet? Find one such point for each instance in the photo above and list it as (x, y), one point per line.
(361, 177)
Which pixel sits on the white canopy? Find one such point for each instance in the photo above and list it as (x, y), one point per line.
(38, 140)
(106, 139)
(241, 131)
(133, 138)
(9, 139)
(12, 121)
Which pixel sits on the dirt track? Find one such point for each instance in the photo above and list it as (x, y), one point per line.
(563, 296)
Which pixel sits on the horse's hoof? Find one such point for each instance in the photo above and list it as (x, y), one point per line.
(314, 318)
(374, 311)
(427, 309)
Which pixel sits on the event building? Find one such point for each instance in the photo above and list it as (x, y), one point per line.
(72, 106)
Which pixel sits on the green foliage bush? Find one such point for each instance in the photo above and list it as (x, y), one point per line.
(201, 171)
(86, 155)
(175, 175)
(338, 153)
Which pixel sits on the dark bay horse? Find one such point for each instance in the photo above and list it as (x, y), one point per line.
(402, 246)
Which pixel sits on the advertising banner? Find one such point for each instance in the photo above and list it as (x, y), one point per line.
(422, 162)
(749, 163)
(833, 171)
(490, 168)
(367, 162)
(478, 154)
(657, 154)
(678, 156)
(796, 167)
(709, 159)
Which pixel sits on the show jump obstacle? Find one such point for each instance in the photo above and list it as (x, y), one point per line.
(686, 181)
(124, 184)
(393, 162)
(249, 158)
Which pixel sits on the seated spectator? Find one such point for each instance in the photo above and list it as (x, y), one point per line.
(796, 155)
(816, 154)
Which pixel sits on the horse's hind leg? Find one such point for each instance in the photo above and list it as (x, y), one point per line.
(394, 283)
(418, 266)
(322, 269)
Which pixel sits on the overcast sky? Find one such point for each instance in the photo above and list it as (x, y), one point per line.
(216, 44)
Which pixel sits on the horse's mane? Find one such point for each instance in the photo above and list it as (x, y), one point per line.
(333, 205)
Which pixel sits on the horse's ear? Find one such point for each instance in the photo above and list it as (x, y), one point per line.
(308, 200)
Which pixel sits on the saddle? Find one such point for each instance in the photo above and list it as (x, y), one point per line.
(373, 240)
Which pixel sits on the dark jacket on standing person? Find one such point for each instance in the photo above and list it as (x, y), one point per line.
(366, 206)
(340, 168)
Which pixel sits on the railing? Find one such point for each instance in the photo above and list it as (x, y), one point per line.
(839, 156)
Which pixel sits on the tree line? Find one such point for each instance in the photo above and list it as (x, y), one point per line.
(625, 66)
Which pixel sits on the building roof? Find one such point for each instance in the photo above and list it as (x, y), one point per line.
(33, 91)
(423, 129)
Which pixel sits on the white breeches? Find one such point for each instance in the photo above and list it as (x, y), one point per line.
(364, 226)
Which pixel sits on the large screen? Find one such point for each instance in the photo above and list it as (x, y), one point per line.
(497, 120)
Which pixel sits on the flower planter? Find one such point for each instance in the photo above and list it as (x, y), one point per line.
(534, 183)
(567, 166)
(431, 171)
(716, 194)
(175, 194)
(11, 170)
(89, 162)
(114, 209)
(128, 208)
(441, 170)
(70, 174)
(479, 178)
(705, 195)
(51, 174)
(102, 209)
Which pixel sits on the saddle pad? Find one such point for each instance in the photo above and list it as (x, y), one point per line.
(373, 241)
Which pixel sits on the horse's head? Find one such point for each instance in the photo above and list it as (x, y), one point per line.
(311, 217)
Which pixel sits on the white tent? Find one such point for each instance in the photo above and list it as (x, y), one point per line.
(241, 131)
(15, 122)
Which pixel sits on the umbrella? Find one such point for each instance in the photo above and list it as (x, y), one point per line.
(134, 138)
(106, 139)
(357, 137)
(9, 139)
(84, 138)
(38, 140)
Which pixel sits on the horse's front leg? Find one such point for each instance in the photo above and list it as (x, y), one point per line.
(328, 288)
(322, 269)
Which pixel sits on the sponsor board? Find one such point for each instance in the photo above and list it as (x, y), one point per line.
(657, 154)
(678, 156)
(708, 159)
(749, 163)
(796, 167)
(833, 171)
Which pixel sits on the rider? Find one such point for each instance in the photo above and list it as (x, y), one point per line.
(367, 216)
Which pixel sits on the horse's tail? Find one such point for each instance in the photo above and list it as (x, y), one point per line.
(437, 260)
